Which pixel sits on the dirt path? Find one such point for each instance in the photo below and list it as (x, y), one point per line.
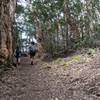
(26, 82)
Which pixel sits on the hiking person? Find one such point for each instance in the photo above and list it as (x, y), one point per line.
(32, 51)
(17, 55)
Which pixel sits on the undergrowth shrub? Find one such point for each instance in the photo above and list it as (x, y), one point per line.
(5, 67)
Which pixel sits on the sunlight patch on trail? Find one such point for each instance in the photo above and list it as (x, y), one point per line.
(68, 61)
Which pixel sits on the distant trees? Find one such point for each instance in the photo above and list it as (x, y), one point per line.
(60, 25)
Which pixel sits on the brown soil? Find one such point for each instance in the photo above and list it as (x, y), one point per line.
(80, 81)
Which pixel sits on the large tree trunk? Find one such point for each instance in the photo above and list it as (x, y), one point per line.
(71, 21)
(39, 36)
(7, 8)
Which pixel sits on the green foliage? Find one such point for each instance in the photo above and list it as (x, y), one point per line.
(86, 42)
(92, 51)
(19, 9)
(54, 18)
(76, 58)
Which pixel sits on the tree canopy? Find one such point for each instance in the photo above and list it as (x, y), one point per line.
(60, 25)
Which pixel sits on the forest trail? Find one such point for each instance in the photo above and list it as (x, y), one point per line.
(46, 81)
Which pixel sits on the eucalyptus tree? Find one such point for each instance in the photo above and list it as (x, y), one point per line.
(63, 24)
(7, 11)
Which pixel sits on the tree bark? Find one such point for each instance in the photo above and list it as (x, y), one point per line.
(39, 36)
(7, 8)
(71, 21)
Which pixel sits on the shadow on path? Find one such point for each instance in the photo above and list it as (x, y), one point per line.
(33, 82)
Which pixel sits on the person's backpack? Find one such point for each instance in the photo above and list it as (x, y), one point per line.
(18, 53)
(32, 49)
